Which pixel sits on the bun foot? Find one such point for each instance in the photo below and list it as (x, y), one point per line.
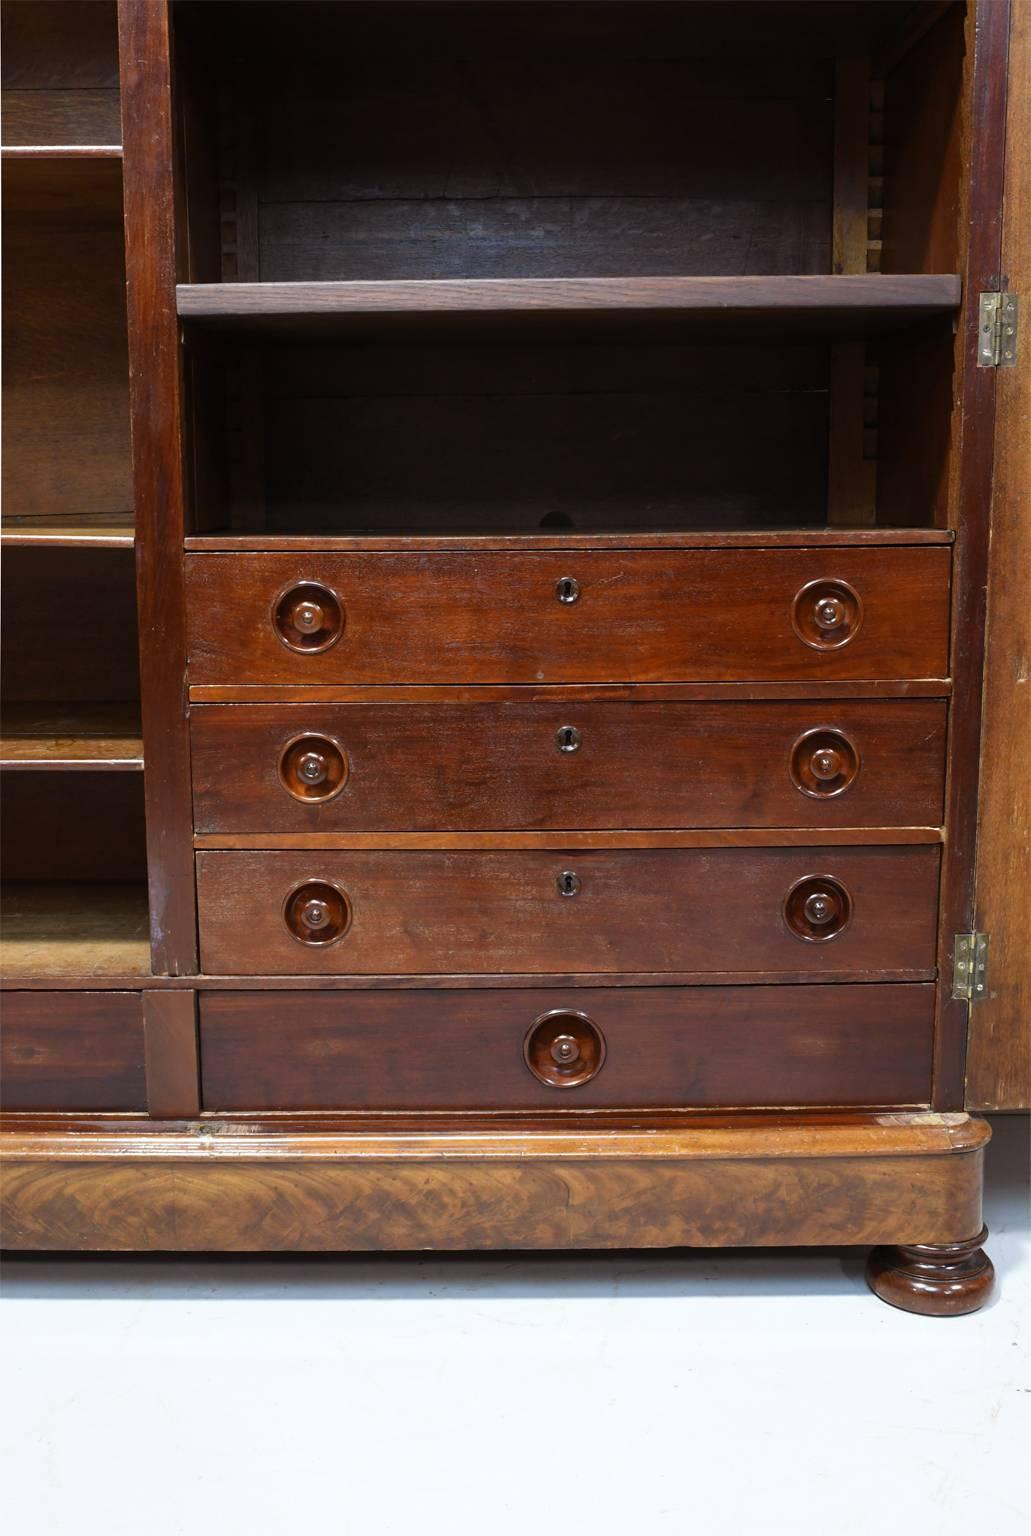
(937, 1280)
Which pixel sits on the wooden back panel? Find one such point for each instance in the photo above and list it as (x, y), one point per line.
(60, 72)
(512, 432)
(66, 370)
(513, 140)
(69, 625)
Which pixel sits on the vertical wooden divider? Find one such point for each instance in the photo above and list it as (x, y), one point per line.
(154, 368)
(171, 1054)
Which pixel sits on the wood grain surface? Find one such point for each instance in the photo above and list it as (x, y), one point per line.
(875, 295)
(80, 930)
(60, 73)
(619, 765)
(65, 387)
(641, 616)
(150, 249)
(72, 1050)
(80, 737)
(655, 910)
(843, 1045)
(172, 1063)
(885, 1179)
(999, 1053)
(970, 471)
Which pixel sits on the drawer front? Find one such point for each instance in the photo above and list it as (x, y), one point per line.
(441, 767)
(652, 1047)
(575, 616)
(72, 1050)
(782, 910)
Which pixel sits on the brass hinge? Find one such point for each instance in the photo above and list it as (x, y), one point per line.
(970, 967)
(997, 330)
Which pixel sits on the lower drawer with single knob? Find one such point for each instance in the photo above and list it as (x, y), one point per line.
(826, 910)
(442, 766)
(568, 1048)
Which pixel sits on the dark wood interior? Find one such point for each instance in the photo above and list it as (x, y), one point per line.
(395, 148)
(515, 140)
(60, 73)
(66, 458)
(531, 637)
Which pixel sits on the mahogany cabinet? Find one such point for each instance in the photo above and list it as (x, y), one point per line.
(499, 507)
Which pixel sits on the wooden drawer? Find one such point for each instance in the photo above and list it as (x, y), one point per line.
(636, 615)
(438, 767)
(624, 1047)
(72, 1050)
(706, 910)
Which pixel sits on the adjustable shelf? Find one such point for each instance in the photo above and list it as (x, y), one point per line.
(36, 153)
(94, 737)
(65, 928)
(862, 304)
(99, 530)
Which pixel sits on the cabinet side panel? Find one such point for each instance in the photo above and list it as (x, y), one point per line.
(999, 1060)
(969, 499)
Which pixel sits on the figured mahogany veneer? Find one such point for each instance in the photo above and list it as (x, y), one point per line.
(661, 910)
(696, 1181)
(548, 1049)
(637, 615)
(445, 766)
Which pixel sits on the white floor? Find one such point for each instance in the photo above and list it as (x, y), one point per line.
(555, 1396)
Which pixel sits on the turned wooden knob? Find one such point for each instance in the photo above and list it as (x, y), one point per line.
(820, 908)
(827, 614)
(317, 913)
(313, 769)
(564, 1049)
(824, 762)
(308, 617)
(817, 908)
(314, 915)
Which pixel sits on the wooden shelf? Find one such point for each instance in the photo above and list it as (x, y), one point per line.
(821, 538)
(64, 929)
(99, 530)
(869, 301)
(61, 152)
(104, 737)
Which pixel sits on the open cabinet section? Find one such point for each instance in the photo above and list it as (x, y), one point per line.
(73, 847)
(89, 737)
(441, 141)
(74, 864)
(67, 458)
(532, 268)
(69, 929)
(484, 429)
(60, 74)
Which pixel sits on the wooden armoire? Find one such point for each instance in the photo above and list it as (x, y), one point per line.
(506, 508)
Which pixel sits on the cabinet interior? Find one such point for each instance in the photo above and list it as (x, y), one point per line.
(60, 72)
(368, 143)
